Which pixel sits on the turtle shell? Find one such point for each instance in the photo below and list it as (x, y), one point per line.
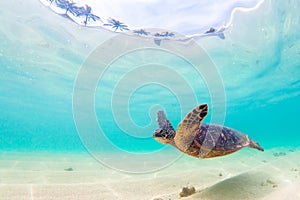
(215, 140)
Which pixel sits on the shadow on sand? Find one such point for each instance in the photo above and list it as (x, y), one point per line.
(244, 186)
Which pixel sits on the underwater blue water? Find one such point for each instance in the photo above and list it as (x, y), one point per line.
(41, 54)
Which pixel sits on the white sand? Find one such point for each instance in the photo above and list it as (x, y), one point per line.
(248, 174)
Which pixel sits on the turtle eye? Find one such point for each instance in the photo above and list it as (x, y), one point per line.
(158, 132)
(161, 131)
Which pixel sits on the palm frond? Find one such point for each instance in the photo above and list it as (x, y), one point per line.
(117, 25)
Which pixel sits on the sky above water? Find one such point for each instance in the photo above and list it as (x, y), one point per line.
(187, 17)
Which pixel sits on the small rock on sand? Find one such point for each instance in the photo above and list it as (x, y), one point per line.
(187, 191)
(278, 154)
(270, 182)
(69, 169)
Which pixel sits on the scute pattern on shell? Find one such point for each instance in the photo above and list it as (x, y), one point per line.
(215, 140)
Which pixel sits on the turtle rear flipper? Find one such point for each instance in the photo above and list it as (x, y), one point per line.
(190, 127)
(253, 144)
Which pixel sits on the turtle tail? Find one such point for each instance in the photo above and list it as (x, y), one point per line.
(253, 144)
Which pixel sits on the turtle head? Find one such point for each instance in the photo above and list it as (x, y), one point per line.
(164, 136)
(165, 133)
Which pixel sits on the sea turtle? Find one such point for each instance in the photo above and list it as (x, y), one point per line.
(201, 140)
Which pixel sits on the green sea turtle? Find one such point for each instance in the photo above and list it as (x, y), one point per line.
(201, 140)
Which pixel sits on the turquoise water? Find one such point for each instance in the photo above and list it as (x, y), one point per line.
(41, 54)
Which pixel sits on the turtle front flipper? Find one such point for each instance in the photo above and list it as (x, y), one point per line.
(163, 122)
(165, 133)
(190, 127)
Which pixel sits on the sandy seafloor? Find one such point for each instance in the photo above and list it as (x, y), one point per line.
(248, 174)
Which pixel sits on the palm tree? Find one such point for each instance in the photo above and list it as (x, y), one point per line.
(67, 5)
(141, 32)
(51, 1)
(164, 34)
(87, 13)
(115, 24)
